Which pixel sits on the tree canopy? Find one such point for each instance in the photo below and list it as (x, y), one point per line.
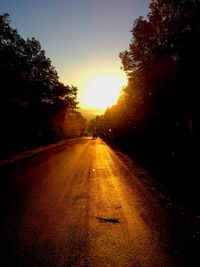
(31, 95)
(158, 112)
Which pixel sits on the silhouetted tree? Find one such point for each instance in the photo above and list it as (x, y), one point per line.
(162, 65)
(157, 116)
(31, 96)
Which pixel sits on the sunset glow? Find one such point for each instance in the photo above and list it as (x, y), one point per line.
(102, 91)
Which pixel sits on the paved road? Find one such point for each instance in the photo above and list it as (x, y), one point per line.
(80, 206)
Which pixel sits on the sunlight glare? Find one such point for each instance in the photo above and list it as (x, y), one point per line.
(103, 91)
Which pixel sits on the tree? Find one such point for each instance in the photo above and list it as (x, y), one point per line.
(31, 95)
(158, 111)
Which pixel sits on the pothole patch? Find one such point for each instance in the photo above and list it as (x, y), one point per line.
(108, 220)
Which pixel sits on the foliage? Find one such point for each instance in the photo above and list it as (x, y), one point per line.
(158, 114)
(31, 95)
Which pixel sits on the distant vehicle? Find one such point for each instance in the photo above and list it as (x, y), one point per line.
(94, 136)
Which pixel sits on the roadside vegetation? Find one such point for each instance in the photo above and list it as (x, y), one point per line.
(35, 107)
(156, 119)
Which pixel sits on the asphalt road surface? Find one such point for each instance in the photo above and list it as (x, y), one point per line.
(80, 205)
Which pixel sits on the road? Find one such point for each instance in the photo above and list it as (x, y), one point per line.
(80, 206)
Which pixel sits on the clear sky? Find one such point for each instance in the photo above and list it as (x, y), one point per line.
(83, 38)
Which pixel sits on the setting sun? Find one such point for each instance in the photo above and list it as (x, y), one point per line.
(103, 91)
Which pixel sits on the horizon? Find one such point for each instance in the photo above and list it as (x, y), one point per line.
(83, 40)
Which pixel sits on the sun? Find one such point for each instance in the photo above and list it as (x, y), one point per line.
(103, 91)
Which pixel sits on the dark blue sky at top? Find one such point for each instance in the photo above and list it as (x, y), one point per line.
(77, 35)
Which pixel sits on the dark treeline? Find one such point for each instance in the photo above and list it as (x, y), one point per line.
(35, 108)
(157, 118)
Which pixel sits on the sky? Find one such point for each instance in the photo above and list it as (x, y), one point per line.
(83, 38)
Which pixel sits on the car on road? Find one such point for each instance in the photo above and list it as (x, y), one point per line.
(94, 136)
